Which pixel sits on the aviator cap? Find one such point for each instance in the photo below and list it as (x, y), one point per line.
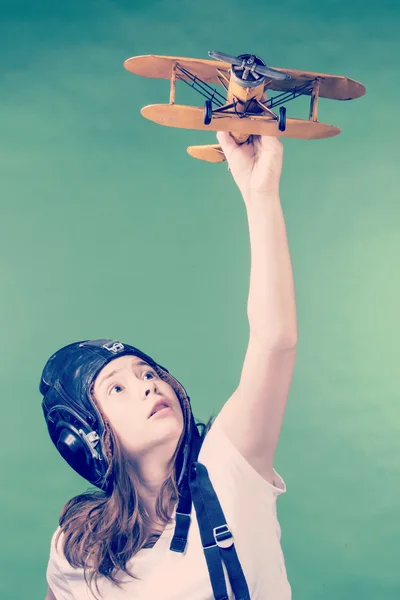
(74, 422)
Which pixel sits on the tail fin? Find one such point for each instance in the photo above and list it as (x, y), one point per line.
(211, 153)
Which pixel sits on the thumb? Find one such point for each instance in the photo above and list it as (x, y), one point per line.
(226, 142)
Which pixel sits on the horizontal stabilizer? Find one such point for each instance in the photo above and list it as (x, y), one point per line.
(211, 153)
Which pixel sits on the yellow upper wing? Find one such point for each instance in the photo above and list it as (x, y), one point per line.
(336, 87)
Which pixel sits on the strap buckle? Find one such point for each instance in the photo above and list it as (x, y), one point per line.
(223, 536)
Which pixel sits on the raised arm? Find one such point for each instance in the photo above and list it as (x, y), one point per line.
(252, 417)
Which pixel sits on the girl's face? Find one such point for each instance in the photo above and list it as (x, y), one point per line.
(126, 390)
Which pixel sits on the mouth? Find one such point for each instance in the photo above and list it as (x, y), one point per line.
(160, 406)
(160, 411)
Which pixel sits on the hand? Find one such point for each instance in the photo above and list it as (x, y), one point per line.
(255, 165)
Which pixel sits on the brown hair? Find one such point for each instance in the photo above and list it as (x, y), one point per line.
(103, 531)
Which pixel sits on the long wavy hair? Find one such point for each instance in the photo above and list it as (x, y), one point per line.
(103, 531)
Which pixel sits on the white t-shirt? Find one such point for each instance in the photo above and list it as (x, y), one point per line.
(249, 505)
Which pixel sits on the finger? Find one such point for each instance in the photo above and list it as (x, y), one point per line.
(226, 142)
(269, 142)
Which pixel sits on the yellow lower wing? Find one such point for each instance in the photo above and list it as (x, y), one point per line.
(191, 117)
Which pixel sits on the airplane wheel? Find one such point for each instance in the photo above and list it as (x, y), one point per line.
(282, 119)
(207, 112)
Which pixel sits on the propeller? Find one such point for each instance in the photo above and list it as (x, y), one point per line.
(232, 60)
(248, 61)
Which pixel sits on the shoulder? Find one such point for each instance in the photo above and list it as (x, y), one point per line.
(55, 572)
(56, 543)
(50, 595)
(228, 467)
(65, 580)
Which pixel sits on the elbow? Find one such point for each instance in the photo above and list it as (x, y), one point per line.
(286, 342)
(276, 342)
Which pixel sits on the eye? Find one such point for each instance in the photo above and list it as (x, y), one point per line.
(149, 373)
(114, 387)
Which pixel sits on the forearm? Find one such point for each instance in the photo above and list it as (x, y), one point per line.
(271, 306)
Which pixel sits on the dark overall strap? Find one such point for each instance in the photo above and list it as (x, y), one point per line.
(184, 508)
(216, 537)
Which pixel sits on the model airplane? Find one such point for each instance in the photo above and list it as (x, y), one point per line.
(245, 110)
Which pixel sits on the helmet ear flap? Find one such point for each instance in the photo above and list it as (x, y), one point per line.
(77, 445)
(72, 445)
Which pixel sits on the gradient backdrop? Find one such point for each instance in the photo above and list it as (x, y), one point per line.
(110, 229)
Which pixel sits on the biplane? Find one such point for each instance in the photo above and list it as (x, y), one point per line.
(245, 110)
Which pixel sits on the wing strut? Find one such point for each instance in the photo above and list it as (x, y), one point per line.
(314, 101)
(201, 86)
(173, 84)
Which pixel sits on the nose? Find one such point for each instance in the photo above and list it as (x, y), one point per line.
(151, 387)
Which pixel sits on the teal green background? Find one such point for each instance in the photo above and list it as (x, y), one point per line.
(109, 228)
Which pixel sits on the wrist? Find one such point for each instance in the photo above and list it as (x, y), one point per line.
(255, 196)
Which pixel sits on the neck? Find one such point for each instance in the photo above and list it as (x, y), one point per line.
(148, 483)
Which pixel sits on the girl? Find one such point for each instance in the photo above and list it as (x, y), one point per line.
(123, 422)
